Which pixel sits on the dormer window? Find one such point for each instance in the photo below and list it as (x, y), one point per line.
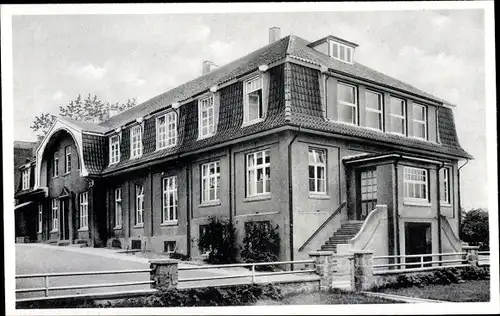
(206, 117)
(397, 115)
(347, 103)
(341, 52)
(253, 109)
(114, 149)
(166, 130)
(420, 121)
(26, 178)
(135, 141)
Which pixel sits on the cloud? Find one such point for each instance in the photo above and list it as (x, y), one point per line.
(91, 71)
(198, 34)
(58, 95)
(134, 80)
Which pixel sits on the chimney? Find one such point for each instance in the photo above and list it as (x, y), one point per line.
(208, 66)
(274, 34)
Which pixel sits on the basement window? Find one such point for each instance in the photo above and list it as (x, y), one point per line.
(169, 246)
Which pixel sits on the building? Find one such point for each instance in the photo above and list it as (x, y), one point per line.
(296, 133)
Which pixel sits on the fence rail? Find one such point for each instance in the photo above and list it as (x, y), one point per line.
(483, 258)
(420, 265)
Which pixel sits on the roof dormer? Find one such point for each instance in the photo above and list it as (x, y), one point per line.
(335, 47)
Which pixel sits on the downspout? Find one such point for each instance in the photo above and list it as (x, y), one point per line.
(438, 181)
(396, 209)
(230, 192)
(459, 199)
(290, 194)
(188, 212)
(151, 207)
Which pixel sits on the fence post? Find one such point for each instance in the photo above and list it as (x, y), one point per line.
(323, 265)
(472, 254)
(46, 286)
(253, 273)
(363, 269)
(164, 273)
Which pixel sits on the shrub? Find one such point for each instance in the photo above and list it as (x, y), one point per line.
(261, 244)
(219, 239)
(475, 228)
(178, 255)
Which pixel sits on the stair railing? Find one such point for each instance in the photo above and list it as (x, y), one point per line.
(335, 213)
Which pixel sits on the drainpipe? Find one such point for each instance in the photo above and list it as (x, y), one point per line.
(459, 200)
(230, 191)
(396, 209)
(440, 246)
(188, 213)
(290, 193)
(151, 206)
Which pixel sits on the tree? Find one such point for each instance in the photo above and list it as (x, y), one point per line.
(475, 228)
(80, 109)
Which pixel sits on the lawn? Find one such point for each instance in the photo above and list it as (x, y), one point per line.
(470, 291)
(322, 298)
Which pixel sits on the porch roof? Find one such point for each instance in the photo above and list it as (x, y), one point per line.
(377, 156)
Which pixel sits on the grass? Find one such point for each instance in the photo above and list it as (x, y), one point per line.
(322, 298)
(470, 291)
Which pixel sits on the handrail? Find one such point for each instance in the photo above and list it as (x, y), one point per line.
(323, 225)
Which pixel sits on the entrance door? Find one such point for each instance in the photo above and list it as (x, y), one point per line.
(65, 219)
(367, 196)
(418, 240)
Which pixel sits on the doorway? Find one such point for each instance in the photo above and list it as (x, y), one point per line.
(64, 219)
(418, 240)
(367, 192)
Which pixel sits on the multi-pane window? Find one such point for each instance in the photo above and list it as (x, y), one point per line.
(206, 116)
(135, 141)
(420, 121)
(258, 173)
(55, 214)
(40, 217)
(139, 204)
(374, 113)
(166, 130)
(253, 108)
(84, 210)
(368, 186)
(341, 52)
(67, 159)
(55, 165)
(118, 207)
(169, 210)
(444, 191)
(415, 183)
(347, 103)
(317, 171)
(397, 115)
(210, 181)
(114, 149)
(26, 178)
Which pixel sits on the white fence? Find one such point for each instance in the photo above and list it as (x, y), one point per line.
(483, 258)
(420, 262)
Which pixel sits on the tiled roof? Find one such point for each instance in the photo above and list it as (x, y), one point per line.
(87, 126)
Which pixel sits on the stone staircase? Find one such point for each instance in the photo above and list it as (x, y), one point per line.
(346, 231)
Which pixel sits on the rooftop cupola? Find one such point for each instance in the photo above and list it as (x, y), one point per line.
(335, 47)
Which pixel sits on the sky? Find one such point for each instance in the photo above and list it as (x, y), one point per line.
(57, 57)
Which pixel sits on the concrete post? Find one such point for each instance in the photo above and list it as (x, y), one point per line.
(164, 273)
(363, 269)
(323, 266)
(472, 254)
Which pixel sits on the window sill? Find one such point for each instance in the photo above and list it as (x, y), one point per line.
(210, 203)
(39, 232)
(205, 136)
(84, 229)
(54, 231)
(417, 203)
(117, 227)
(169, 223)
(55, 177)
(319, 196)
(166, 147)
(114, 163)
(397, 134)
(444, 204)
(245, 124)
(419, 138)
(138, 226)
(135, 157)
(256, 198)
(66, 173)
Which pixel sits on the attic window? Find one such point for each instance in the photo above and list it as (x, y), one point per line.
(341, 52)
(252, 102)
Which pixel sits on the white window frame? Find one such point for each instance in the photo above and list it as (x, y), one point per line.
(345, 103)
(251, 180)
(118, 208)
(139, 205)
(445, 179)
(26, 173)
(55, 215)
(166, 133)
(346, 48)
(55, 165)
(403, 117)
(206, 180)
(136, 146)
(40, 218)
(380, 112)
(210, 131)
(412, 171)
(67, 159)
(169, 189)
(114, 149)
(420, 122)
(84, 210)
(317, 164)
(246, 103)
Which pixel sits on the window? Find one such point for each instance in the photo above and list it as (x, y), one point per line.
(253, 109)
(55, 213)
(374, 113)
(368, 186)
(317, 171)
(420, 121)
(348, 103)
(210, 181)
(67, 159)
(341, 52)
(169, 210)
(26, 178)
(166, 130)
(40, 217)
(114, 149)
(258, 173)
(139, 204)
(444, 176)
(118, 207)
(415, 184)
(84, 210)
(206, 117)
(169, 246)
(55, 165)
(398, 116)
(135, 142)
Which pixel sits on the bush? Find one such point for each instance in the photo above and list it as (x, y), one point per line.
(178, 255)
(475, 229)
(219, 239)
(261, 244)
